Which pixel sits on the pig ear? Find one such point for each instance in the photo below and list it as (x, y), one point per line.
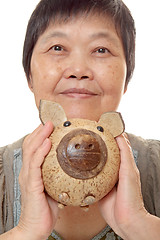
(113, 122)
(51, 111)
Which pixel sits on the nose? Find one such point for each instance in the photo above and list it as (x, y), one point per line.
(79, 69)
(82, 154)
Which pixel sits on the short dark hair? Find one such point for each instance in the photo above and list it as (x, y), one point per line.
(62, 10)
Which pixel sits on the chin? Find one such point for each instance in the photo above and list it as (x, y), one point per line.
(82, 113)
(85, 109)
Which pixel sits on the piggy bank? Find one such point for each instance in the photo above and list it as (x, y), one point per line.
(83, 163)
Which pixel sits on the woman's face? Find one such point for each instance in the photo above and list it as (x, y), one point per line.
(81, 65)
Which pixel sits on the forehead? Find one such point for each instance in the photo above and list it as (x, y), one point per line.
(91, 18)
(92, 25)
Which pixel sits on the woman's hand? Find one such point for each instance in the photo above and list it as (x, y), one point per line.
(123, 206)
(38, 210)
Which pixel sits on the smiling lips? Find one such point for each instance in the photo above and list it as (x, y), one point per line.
(79, 92)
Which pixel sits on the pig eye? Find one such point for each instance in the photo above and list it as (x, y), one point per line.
(101, 129)
(67, 124)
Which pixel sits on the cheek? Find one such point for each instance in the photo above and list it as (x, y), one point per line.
(42, 70)
(44, 77)
(44, 73)
(114, 79)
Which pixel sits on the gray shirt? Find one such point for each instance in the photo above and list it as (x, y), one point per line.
(146, 154)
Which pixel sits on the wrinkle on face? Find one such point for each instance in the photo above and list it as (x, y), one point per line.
(51, 71)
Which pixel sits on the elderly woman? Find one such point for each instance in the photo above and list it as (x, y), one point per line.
(80, 54)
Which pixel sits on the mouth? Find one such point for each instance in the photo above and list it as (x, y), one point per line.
(78, 93)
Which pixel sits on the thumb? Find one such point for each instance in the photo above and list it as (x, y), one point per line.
(128, 165)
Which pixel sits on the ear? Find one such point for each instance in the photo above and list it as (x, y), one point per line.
(125, 89)
(30, 82)
(51, 111)
(113, 122)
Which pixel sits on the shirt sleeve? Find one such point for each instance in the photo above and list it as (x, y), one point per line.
(7, 185)
(2, 192)
(148, 162)
(152, 190)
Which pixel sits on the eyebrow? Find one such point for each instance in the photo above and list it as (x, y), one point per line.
(104, 35)
(98, 35)
(56, 34)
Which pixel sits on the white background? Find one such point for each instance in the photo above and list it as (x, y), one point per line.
(139, 106)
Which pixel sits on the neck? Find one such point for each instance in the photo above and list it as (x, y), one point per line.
(75, 223)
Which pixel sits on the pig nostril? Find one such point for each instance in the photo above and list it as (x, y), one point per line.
(77, 146)
(91, 146)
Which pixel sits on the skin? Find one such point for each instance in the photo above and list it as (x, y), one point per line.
(80, 65)
(87, 80)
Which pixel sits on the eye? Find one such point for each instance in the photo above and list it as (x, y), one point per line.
(67, 124)
(57, 48)
(101, 129)
(102, 50)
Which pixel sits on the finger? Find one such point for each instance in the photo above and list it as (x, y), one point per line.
(107, 208)
(31, 145)
(34, 173)
(29, 138)
(107, 203)
(53, 206)
(40, 154)
(127, 159)
(129, 176)
(34, 140)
